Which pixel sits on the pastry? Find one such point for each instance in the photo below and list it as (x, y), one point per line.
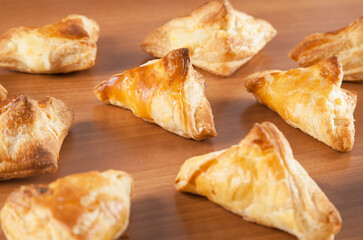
(310, 99)
(167, 91)
(3, 93)
(346, 43)
(31, 135)
(84, 206)
(260, 180)
(220, 38)
(66, 46)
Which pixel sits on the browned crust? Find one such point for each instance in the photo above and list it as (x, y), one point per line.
(177, 63)
(332, 70)
(256, 81)
(38, 155)
(66, 28)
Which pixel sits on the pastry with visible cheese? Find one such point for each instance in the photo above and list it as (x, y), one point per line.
(66, 46)
(167, 91)
(31, 135)
(260, 180)
(346, 43)
(88, 206)
(3, 93)
(310, 99)
(220, 38)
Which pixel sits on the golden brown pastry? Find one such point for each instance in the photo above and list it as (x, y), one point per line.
(31, 135)
(220, 38)
(3, 93)
(167, 91)
(346, 43)
(310, 99)
(66, 46)
(84, 206)
(260, 180)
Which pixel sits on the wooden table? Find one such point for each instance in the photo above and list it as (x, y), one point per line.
(104, 136)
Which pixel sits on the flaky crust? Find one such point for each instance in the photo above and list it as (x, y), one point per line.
(31, 135)
(346, 43)
(260, 180)
(3, 93)
(220, 38)
(84, 206)
(66, 46)
(310, 99)
(167, 91)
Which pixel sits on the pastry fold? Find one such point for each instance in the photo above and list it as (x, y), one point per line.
(310, 99)
(260, 180)
(346, 43)
(167, 91)
(66, 46)
(31, 135)
(86, 206)
(3, 93)
(220, 38)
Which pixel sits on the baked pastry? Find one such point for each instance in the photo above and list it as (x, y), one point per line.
(260, 180)
(310, 99)
(3, 93)
(346, 43)
(220, 38)
(167, 91)
(31, 135)
(66, 46)
(85, 206)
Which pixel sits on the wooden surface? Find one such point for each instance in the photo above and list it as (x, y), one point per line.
(104, 136)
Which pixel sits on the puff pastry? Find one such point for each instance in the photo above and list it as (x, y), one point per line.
(3, 93)
(84, 206)
(310, 99)
(167, 91)
(220, 38)
(346, 43)
(31, 135)
(66, 46)
(260, 180)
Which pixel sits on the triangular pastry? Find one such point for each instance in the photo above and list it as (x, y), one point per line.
(346, 43)
(3, 93)
(167, 91)
(310, 99)
(260, 180)
(220, 38)
(31, 135)
(66, 46)
(88, 206)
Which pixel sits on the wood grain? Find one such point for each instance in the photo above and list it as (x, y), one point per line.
(104, 136)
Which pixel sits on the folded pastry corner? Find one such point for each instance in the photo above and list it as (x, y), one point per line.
(260, 180)
(346, 43)
(31, 135)
(3, 93)
(92, 205)
(220, 38)
(167, 91)
(66, 46)
(310, 99)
